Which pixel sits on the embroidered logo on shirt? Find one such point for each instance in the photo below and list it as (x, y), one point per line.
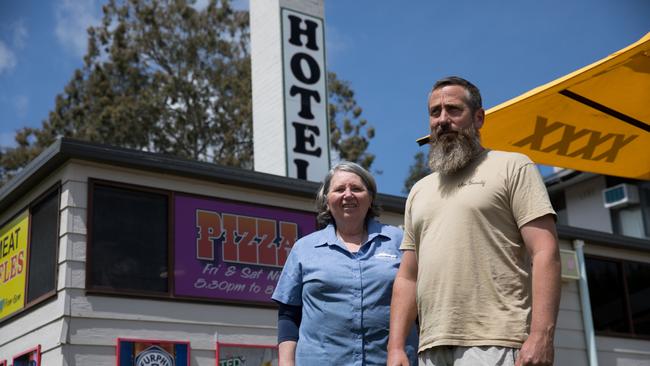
(386, 255)
(472, 182)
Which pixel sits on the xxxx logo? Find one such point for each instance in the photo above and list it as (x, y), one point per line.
(568, 144)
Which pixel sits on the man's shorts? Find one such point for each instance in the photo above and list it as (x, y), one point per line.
(468, 356)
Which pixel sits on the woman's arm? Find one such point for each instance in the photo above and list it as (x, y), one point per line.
(289, 317)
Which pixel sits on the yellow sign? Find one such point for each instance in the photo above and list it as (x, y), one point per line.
(596, 119)
(13, 264)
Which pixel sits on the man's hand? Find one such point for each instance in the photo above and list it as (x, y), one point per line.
(536, 351)
(397, 357)
(540, 238)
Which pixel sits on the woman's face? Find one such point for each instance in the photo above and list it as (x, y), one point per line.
(348, 198)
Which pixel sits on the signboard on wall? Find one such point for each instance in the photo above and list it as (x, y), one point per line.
(246, 355)
(305, 95)
(13, 264)
(232, 251)
(143, 352)
(569, 261)
(31, 357)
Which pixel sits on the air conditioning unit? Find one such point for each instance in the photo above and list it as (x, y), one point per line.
(620, 195)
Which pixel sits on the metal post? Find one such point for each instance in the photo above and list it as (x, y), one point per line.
(587, 320)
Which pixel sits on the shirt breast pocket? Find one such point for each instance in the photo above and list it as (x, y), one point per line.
(323, 279)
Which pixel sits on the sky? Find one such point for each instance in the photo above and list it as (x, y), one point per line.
(391, 52)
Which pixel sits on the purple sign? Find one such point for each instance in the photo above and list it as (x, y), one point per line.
(232, 250)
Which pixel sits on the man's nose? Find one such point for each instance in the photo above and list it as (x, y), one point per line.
(444, 124)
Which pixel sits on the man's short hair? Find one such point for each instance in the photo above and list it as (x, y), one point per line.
(474, 95)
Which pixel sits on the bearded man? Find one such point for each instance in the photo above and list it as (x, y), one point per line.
(481, 268)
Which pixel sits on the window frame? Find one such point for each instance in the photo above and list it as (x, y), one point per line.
(626, 299)
(89, 288)
(41, 198)
(33, 350)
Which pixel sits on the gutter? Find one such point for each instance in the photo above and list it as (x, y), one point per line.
(587, 320)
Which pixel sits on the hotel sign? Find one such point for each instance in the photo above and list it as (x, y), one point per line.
(305, 96)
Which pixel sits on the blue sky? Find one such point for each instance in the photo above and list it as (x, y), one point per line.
(391, 52)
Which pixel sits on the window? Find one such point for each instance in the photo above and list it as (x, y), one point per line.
(634, 219)
(128, 241)
(619, 292)
(628, 221)
(559, 205)
(28, 255)
(44, 239)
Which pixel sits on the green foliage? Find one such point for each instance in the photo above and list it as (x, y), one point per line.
(418, 170)
(162, 76)
(350, 134)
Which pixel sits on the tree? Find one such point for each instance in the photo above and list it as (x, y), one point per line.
(163, 76)
(418, 170)
(350, 134)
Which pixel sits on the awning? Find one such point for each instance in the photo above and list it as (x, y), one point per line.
(596, 119)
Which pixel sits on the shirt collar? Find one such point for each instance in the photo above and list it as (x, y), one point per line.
(328, 234)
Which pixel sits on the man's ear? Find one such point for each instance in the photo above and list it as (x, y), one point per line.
(479, 118)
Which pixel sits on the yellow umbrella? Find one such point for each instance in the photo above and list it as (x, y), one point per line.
(596, 119)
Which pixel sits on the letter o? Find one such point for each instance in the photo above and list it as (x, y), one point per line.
(296, 68)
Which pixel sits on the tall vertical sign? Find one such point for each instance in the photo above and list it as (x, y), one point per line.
(290, 127)
(305, 96)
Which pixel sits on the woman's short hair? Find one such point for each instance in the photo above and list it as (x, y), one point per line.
(324, 216)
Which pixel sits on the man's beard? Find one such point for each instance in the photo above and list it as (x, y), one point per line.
(450, 152)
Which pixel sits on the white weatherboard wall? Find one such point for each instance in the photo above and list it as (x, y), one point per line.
(570, 346)
(47, 323)
(97, 321)
(76, 328)
(584, 203)
(290, 129)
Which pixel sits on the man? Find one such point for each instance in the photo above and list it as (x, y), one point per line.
(480, 249)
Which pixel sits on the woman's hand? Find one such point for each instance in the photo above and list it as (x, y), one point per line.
(287, 353)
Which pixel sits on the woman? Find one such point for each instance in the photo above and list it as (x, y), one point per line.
(335, 289)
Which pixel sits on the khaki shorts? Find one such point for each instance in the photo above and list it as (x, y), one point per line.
(468, 356)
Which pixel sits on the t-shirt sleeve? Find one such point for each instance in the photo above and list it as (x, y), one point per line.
(408, 239)
(289, 288)
(528, 195)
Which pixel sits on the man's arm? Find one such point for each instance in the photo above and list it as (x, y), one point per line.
(540, 238)
(403, 310)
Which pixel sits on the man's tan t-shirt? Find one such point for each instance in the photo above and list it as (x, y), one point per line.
(473, 284)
